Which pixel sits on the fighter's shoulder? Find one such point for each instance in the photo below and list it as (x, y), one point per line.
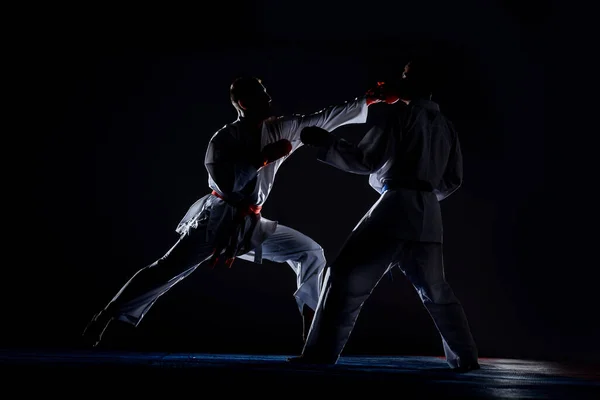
(225, 133)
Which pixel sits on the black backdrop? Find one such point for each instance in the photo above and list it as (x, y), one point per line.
(116, 107)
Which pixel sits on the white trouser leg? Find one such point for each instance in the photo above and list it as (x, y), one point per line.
(138, 295)
(303, 254)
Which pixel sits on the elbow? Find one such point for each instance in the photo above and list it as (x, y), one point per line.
(365, 165)
(370, 164)
(363, 168)
(446, 190)
(459, 183)
(368, 170)
(359, 171)
(444, 195)
(440, 195)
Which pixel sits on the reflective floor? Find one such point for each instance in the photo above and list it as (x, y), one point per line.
(89, 373)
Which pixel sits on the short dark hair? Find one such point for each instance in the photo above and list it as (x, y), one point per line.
(242, 86)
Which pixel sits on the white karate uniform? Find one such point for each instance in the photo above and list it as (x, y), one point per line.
(417, 155)
(231, 174)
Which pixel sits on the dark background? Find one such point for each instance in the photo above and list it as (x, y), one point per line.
(115, 108)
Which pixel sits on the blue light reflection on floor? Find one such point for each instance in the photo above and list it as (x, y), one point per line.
(498, 378)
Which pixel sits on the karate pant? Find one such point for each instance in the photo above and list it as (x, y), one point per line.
(366, 256)
(304, 255)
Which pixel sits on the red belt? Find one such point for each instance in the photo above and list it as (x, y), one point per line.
(244, 209)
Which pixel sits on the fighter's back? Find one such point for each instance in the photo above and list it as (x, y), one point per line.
(422, 144)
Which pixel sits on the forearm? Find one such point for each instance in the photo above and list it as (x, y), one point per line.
(354, 112)
(330, 118)
(345, 156)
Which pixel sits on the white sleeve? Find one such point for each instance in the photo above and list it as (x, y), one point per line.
(366, 157)
(330, 118)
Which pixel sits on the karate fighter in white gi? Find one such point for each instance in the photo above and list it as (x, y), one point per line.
(414, 161)
(242, 160)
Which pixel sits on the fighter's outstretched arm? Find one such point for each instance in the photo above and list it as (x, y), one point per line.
(330, 118)
(363, 158)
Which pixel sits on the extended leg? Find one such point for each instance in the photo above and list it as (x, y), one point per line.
(423, 264)
(138, 295)
(347, 284)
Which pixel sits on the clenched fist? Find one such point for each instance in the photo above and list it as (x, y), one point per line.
(274, 151)
(382, 93)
